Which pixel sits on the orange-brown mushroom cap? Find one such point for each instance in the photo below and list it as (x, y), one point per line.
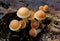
(45, 8)
(40, 15)
(41, 7)
(31, 16)
(32, 33)
(14, 25)
(34, 24)
(23, 24)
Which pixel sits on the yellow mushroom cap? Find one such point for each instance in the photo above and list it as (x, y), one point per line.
(32, 33)
(45, 8)
(14, 25)
(23, 24)
(23, 12)
(40, 15)
(41, 7)
(31, 16)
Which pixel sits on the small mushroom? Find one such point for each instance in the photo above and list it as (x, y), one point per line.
(14, 25)
(40, 15)
(41, 7)
(23, 13)
(45, 8)
(34, 24)
(23, 24)
(34, 32)
(31, 17)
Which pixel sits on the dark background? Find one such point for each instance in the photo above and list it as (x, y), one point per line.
(31, 4)
(10, 6)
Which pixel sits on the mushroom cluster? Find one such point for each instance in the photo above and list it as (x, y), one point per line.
(29, 15)
(15, 25)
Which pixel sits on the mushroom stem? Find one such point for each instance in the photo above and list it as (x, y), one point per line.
(38, 31)
(34, 32)
(25, 19)
(49, 16)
